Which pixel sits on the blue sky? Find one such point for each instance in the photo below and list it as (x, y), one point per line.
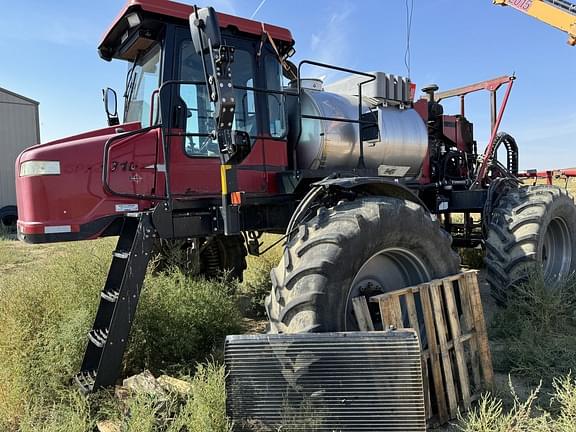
(49, 54)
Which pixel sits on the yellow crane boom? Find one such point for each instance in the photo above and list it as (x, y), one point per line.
(558, 13)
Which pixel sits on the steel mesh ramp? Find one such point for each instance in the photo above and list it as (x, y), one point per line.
(358, 381)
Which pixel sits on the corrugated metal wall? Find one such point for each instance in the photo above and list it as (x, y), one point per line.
(19, 128)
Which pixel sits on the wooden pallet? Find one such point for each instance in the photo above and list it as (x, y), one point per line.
(448, 317)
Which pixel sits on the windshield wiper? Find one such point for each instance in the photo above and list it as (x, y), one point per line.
(130, 83)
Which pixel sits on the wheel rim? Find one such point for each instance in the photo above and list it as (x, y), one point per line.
(389, 270)
(556, 250)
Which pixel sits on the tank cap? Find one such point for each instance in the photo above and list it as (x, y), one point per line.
(429, 90)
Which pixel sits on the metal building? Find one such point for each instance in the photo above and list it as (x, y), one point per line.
(19, 128)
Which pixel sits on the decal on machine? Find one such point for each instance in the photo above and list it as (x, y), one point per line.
(392, 171)
(522, 5)
(136, 178)
(123, 166)
(126, 207)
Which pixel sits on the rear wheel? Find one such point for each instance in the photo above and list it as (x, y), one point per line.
(532, 227)
(364, 247)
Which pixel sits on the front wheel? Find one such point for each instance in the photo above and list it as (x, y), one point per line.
(211, 258)
(364, 247)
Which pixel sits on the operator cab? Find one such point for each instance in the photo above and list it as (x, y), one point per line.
(154, 38)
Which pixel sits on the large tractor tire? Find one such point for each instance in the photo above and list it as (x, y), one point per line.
(531, 228)
(364, 247)
(219, 256)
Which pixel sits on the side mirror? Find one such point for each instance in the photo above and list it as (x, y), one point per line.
(111, 106)
(205, 30)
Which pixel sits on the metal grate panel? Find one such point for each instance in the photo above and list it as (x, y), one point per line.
(358, 381)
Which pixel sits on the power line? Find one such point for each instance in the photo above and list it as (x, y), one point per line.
(409, 13)
(257, 9)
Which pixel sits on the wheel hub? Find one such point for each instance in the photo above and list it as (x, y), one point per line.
(556, 250)
(388, 270)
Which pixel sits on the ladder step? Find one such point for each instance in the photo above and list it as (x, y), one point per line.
(111, 295)
(107, 340)
(98, 337)
(85, 380)
(121, 254)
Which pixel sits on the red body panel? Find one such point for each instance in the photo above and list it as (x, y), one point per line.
(127, 127)
(77, 197)
(183, 11)
(421, 107)
(200, 176)
(133, 164)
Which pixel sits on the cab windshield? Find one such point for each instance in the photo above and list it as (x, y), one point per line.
(142, 79)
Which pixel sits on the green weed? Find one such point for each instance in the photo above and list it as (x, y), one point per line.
(205, 407)
(525, 416)
(181, 320)
(256, 285)
(535, 335)
(48, 305)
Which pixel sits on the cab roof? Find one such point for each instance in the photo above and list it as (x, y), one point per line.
(171, 9)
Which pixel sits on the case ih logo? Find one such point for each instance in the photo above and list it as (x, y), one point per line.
(136, 178)
(520, 4)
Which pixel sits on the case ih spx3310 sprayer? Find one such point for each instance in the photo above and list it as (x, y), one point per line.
(224, 139)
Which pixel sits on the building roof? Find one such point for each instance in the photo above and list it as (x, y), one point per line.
(16, 95)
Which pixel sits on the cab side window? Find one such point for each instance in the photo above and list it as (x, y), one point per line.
(200, 122)
(275, 101)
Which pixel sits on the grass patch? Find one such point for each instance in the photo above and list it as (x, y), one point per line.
(12, 254)
(44, 316)
(169, 254)
(181, 321)
(535, 336)
(205, 408)
(472, 257)
(256, 285)
(525, 416)
(46, 309)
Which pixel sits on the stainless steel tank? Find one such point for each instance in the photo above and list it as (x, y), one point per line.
(398, 151)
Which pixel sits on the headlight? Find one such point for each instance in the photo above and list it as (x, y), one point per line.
(39, 168)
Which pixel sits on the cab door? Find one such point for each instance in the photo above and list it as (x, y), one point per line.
(194, 163)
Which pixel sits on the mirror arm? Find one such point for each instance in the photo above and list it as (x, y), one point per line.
(221, 92)
(233, 146)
